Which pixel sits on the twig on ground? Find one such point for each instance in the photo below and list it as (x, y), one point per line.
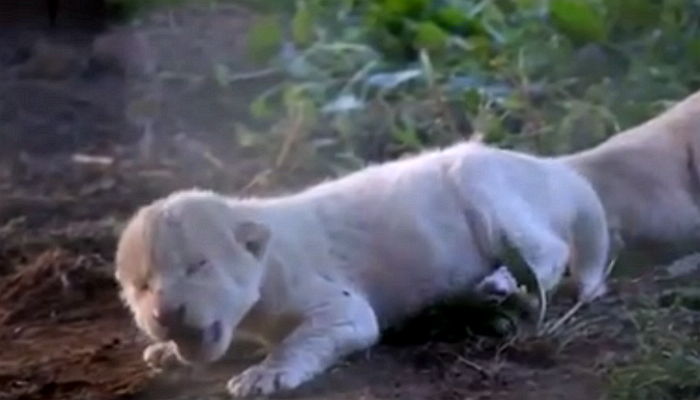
(291, 137)
(245, 76)
(476, 367)
(104, 161)
(259, 179)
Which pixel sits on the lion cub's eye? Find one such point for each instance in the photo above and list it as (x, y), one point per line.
(193, 268)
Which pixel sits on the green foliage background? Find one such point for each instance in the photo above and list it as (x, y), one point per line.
(549, 76)
(370, 79)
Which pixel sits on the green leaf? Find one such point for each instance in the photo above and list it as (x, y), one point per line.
(430, 36)
(631, 14)
(247, 138)
(472, 100)
(407, 137)
(264, 38)
(693, 51)
(292, 96)
(531, 5)
(452, 18)
(579, 20)
(298, 103)
(302, 24)
(259, 108)
(405, 8)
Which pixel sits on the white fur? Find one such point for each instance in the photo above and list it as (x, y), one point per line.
(336, 263)
(498, 286)
(648, 179)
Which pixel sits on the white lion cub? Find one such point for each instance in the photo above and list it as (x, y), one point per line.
(318, 274)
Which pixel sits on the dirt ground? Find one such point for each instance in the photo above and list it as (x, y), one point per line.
(95, 123)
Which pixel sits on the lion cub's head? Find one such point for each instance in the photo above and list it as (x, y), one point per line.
(189, 270)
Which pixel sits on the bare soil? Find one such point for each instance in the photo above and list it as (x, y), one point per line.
(64, 333)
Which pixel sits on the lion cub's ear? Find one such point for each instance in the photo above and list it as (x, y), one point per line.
(253, 236)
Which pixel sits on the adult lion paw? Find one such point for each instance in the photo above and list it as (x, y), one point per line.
(161, 356)
(261, 380)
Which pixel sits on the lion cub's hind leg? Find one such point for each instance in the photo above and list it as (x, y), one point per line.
(487, 187)
(546, 253)
(589, 264)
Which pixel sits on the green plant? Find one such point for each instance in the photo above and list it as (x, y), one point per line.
(547, 76)
(389, 76)
(666, 365)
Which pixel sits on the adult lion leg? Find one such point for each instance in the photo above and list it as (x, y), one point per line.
(332, 330)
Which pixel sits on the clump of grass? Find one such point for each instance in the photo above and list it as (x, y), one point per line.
(666, 365)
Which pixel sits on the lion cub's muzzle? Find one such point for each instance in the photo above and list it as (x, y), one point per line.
(173, 324)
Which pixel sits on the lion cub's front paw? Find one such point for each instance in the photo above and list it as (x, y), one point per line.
(161, 356)
(264, 380)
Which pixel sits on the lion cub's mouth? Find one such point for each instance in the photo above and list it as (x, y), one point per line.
(214, 332)
(193, 344)
(192, 336)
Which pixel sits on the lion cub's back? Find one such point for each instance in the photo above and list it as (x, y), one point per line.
(399, 231)
(505, 182)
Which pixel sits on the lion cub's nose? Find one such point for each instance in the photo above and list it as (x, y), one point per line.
(171, 318)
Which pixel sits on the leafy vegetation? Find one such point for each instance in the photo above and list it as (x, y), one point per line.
(369, 80)
(667, 363)
(377, 78)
